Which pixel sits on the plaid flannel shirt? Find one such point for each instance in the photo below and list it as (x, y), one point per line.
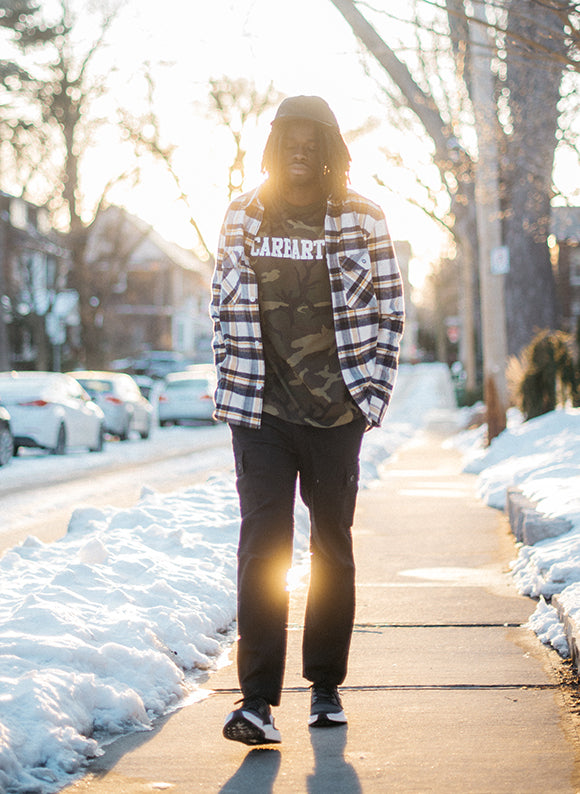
(367, 300)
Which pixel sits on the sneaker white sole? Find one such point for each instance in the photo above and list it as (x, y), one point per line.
(243, 726)
(327, 720)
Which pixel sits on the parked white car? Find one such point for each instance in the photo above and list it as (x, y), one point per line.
(6, 440)
(187, 396)
(159, 363)
(120, 398)
(52, 411)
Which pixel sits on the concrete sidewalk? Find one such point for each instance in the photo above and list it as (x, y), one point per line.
(447, 690)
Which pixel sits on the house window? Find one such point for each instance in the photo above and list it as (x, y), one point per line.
(179, 341)
(575, 265)
(141, 288)
(51, 272)
(43, 221)
(18, 214)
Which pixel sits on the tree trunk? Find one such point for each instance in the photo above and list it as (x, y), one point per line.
(465, 230)
(534, 94)
(489, 228)
(41, 342)
(448, 157)
(4, 346)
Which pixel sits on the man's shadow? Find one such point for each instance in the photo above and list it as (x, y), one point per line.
(331, 773)
(257, 773)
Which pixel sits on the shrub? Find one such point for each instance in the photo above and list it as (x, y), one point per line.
(549, 376)
(576, 397)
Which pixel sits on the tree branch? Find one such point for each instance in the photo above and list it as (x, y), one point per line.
(419, 102)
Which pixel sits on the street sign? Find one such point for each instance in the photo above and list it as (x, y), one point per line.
(500, 260)
(453, 333)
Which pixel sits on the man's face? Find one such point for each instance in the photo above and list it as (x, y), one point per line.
(301, 160)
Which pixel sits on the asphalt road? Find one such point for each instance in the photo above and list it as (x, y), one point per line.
(39, 492)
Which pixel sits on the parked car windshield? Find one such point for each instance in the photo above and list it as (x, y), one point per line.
(15, 388)
(96, 386)
(192, 383)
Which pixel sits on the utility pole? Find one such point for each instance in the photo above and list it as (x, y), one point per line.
(493, 257)
(4, 345)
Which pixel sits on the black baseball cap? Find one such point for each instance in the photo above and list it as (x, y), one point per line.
(312, 108)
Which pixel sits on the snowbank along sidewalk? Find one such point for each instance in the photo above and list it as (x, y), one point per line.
(541, 458)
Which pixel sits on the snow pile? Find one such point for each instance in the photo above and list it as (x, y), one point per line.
(99, 628)
(542, 458)
(104, 630)
(545, 623)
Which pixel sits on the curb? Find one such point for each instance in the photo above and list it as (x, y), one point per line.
(571, 629)
(529, 525)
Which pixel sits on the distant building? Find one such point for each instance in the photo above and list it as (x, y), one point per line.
(564, 242)
(409, 343)
(151, 294)
(38, 314)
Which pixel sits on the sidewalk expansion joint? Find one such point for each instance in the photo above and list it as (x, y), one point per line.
(498, 625)
(411, 688)
(367, 626)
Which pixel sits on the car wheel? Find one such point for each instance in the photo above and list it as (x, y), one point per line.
(124, 434)
(6, 446)
(60, 447)
(100, 441)
(147, 432)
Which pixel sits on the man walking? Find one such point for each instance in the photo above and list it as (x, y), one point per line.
(307, 307)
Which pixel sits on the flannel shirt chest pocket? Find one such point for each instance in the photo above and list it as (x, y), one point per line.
(357, 279)
(231, 287)
(239, 288)
(239, 309)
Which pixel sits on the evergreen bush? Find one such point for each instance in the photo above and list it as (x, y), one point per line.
(576, 397)
(549, 374)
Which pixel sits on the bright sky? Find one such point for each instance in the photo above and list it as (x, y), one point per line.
(302, 47)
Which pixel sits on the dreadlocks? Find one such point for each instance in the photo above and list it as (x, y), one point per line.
(334, 154)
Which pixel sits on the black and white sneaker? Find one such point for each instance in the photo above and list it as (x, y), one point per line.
(252, 723)
(325, 707)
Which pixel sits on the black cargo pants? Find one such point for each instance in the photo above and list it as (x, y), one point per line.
(269, 462)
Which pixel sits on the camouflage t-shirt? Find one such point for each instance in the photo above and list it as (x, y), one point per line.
(304, 384)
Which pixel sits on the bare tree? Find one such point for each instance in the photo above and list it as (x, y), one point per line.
(454, 163)
(47, 125)
(146, 135)
(236, 103)
(21, 23)
(534, 42)
(529, 142)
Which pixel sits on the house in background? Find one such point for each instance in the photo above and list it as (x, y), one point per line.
(564, 242)
(410, 342)
(151, 294)
(39, 319)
